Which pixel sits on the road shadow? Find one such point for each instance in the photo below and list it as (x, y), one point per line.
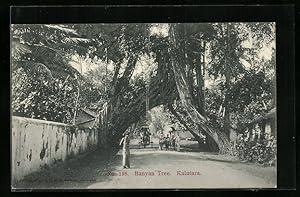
(74, 174)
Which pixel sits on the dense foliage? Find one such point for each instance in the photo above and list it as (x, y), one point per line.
(210, 77)
(262, 151)
(44, 85)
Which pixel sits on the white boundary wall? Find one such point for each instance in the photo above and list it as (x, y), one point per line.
(36, 144)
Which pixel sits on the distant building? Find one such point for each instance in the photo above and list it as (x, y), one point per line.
(263, 124)
(266, 123)
(85, 118)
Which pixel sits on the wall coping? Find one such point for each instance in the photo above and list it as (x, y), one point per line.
(40, 121)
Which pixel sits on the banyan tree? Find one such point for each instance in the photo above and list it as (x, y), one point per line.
(175, 76)
(178, 77)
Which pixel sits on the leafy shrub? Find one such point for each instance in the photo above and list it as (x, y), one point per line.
(262, 151)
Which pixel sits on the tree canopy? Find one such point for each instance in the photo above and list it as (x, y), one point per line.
(210, 76)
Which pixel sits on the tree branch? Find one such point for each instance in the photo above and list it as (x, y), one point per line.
(173, 111)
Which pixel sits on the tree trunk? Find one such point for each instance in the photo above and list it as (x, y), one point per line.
(198, 119)
(76, 105)
(122, 82)
(200, 95)
(227, 86)
(227, 121)
(210, 144)
(115, 78)
(203, 78)
(185, 96)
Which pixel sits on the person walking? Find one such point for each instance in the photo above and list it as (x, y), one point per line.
(167, 142)
(161, 141)
(177, 139)
(173, 141)
(126, 151)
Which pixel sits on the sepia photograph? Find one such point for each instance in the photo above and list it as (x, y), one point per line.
(143, 105)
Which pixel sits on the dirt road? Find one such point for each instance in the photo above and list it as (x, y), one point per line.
(151, 168)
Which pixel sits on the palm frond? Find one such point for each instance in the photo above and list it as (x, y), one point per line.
(63, 29)
(43, 70)
(50, 45)
(19, 49)
(74, 40)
